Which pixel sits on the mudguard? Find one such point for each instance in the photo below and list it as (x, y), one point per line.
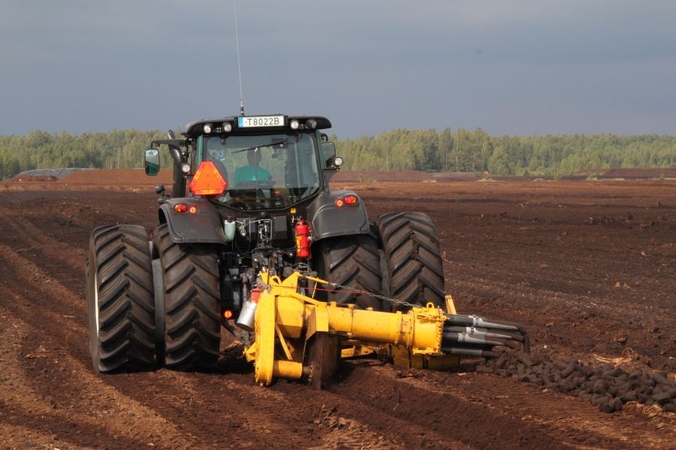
(202, 226)
(329, 220)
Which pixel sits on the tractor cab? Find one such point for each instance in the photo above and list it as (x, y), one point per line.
(255, 162)
(269, 171)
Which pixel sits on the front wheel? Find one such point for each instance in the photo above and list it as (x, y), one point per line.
(120, 303)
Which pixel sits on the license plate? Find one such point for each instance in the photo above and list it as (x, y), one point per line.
(260, 121)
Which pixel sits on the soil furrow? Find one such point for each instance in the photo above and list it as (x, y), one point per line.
(587, 267)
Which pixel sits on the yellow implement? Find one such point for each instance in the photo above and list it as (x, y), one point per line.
(297, 337)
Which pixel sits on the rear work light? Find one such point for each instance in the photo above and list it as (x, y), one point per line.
(207, 180)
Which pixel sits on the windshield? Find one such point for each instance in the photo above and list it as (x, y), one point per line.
(265, 171)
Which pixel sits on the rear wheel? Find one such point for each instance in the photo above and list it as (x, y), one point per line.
(120, 305)
(191, 303)
(353, 262)
(412, 255)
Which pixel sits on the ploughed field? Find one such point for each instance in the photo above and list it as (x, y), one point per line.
(587, 267)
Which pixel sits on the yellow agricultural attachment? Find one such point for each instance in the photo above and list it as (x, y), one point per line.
(298, 337)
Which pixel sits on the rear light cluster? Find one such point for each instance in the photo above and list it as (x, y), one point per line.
(182, 208)
(348, 200)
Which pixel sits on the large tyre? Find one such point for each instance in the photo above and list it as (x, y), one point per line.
(120, 305)
(353, 262)
(412, 255)
(191, 303)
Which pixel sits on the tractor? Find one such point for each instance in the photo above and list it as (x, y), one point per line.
(253, 241)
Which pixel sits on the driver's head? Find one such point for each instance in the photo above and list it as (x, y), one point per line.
(254, 157)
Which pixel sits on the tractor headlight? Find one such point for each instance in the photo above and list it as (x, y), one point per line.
(294, 124)
(227, 127)
(207, 128)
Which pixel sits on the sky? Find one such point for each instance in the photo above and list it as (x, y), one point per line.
(510, 67)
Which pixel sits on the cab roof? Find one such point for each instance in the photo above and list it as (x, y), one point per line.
(246, 124)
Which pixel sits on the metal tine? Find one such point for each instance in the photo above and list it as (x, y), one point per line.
(464, 351)
(476, 321)
(517, 336)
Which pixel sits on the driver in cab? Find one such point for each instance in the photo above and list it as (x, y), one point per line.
(252, 172)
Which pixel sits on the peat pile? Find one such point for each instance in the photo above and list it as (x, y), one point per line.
(45, 174)
(607, 386)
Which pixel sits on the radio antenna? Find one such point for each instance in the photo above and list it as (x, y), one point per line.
(239, 65)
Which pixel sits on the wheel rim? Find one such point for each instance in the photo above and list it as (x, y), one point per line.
(96, 305)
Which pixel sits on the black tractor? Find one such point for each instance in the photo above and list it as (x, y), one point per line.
(249, 194)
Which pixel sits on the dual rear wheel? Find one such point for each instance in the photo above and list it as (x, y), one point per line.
(401, 261)
(413, 273)
(137, 324)
(120, 305)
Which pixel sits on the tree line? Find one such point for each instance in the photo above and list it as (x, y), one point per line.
(42, 150)
(478, 152)
(400, 149)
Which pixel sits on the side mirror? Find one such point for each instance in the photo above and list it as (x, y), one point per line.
(152, 162)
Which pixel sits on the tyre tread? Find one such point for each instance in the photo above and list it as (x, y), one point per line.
(412, 254)
(119, 273)
(192, 304)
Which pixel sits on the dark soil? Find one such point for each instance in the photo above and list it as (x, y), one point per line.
(587, 267)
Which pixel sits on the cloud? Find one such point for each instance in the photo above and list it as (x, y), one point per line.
(78, 65)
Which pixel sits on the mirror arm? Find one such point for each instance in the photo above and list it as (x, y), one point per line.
(174, 147)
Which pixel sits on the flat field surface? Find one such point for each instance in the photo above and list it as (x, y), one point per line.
(587, 267)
